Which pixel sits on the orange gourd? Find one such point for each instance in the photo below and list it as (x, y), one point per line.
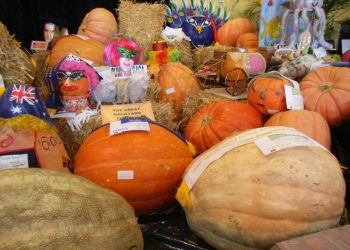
(218, 120)
(99, 24)
(176, 81)
(327, 91)
(266, 94)
(144, 167)
(82, 46)
(249, 41)
(229, 33)
(310, 123)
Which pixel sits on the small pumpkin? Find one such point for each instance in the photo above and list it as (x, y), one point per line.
(229, 33)
(327, 91)
(144, 167)
(176, 81)
(43, 209)
(266, 93)
(310, 123)
(99, 24)
(218, 120)
(81, 46)
(249, 41)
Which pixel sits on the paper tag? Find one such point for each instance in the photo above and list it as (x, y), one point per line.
(118, 73)
(294, 98)
(125, 175)
(169, 91)
(38, 45)
(320, 52)
(14, 161)
(282, 139)
(111, 113)
(128, 124)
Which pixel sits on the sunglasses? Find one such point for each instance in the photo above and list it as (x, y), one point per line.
(74, 76)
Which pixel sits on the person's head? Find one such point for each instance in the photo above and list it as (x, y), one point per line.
(49, 31)
(122, 52)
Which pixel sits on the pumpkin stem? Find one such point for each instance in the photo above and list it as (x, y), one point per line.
(206, 119)
(326, 86)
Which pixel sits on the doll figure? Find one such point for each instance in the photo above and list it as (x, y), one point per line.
(124, 53)
(76, 80)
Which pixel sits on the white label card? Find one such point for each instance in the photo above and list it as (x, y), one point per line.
(169, 91)
(283, 139)
(128, 124)
(294, 98)
(14, 161)
(125, 175)
(320, 52)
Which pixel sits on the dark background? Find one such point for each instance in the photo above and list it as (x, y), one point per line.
(25, 18)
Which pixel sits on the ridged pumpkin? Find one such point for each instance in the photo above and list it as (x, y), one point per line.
(99, 24)
(82, 46)
(218, 120)
(229, 33)
(327, 91)
(45, 209)
(308, 122)
(176, 81)
(246, 200)
(249, 41)
(266, 94)
(154, 162)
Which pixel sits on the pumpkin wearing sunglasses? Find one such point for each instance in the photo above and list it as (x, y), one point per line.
(73, 83)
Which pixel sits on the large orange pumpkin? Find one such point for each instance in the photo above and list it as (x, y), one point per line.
(82, 46)
(229, 33)
(310, 123)
(99, 24)
(249, 41)
(176, 81)
(218, 120)
(266, 93)
(144, 167)
(327, 91)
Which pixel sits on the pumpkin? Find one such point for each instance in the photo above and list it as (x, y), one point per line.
(249, 41)
(266, 93)
(309, 122)
(144, 167)
(229, 33)
(82, 46)
(99, 24)
(218, 120)
(45, 209)
(327, 91)
(176, 81)
(246, 200)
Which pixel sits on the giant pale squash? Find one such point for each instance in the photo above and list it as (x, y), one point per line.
(218, 120)
(176, 81)
(45, 209)
(309, 122)
(81, 46)
(144, 167)
(99, 24)
(246, 200)
(327, 91)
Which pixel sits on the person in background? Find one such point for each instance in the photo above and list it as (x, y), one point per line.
(52, 32)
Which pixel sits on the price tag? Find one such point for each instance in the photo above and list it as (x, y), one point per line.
(128, 124)
(38, 45)
(125, 175)
(14, 161)
(283, 139)
(294, 98)
(169, 91)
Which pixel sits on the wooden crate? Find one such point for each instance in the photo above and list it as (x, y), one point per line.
(331, 239)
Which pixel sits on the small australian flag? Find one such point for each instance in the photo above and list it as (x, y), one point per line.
(21, 99)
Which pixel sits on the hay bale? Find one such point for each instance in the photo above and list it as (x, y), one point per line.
(142, 22)
(192, 103)
(16, 65)
(40, 58)
(186, 52)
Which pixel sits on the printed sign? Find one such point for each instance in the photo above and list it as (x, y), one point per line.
(128, 124)
(294, 98)
(117, 72)
(38, 45)
(14, 161)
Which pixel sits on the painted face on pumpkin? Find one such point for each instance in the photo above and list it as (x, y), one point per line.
(72, 83)
(49, 31)
(127, 58)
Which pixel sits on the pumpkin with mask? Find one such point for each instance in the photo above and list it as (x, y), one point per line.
(200, 31)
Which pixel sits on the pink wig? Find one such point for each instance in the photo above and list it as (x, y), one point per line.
(111, 54)
(74, 63)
